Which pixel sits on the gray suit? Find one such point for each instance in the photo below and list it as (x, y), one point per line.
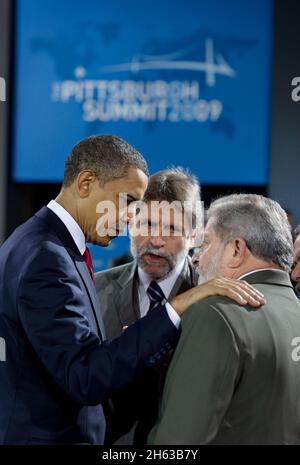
(232, 379)
(118, 294)
(117, 290)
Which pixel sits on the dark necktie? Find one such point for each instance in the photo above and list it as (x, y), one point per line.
(89, 262)
(152, 380)
(155, 295)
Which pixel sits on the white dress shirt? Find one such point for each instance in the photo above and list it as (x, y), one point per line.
(166, 284)
(71, 225)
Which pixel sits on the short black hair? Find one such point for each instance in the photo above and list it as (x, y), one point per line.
(108, 156)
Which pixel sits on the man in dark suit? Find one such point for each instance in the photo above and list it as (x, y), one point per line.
(233, 379)
(58, 370)
(162, 263)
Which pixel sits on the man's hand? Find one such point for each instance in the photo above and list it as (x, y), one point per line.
(239, 291)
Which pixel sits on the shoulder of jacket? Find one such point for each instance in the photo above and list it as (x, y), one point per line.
(111, 273)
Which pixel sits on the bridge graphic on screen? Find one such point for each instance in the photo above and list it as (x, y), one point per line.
(214, 64)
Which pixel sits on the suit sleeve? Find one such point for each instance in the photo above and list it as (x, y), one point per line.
(51, 308)
(200, 380)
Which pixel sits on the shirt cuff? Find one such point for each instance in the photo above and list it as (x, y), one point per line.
(174, 317)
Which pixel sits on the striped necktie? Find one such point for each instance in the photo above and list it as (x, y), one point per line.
(155, 295)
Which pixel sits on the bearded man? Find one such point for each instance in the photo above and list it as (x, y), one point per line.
(162, 270)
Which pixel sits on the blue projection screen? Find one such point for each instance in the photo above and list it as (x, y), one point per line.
(186, 82)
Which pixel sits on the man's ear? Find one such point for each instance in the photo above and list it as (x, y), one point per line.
(85, 179)
(238, 252)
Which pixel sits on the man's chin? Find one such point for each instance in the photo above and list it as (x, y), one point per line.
(155, 271)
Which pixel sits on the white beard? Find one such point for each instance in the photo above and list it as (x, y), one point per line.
(212, 269)
(202, 279)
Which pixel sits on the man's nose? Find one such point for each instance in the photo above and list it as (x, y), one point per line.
(296, 273)
(157, 241)
(126, 216)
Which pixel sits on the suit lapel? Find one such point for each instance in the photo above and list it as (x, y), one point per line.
(64, 235)
(126, 306)
(91, 291)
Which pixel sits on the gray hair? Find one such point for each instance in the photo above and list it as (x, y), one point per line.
(175, 184)
(260, 221)
(108, 156)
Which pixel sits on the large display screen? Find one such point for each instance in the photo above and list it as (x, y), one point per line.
(186, 82)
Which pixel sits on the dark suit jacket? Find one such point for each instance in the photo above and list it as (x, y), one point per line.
(58, 370)
(232, 379)
(117, 289)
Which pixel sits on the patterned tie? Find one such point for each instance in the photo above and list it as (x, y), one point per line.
(155, 295)
(89, 262)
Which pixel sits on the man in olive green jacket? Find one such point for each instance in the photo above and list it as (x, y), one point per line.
(235, 375)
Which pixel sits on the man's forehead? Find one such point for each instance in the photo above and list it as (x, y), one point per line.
(134, 183)
(161, 211)
(209, 228)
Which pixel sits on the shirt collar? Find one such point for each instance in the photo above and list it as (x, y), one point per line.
(71, 225)
(166, 283)
(260, 269)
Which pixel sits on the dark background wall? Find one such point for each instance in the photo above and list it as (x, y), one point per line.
(285, 142)
(4, 107)
(18, 202)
